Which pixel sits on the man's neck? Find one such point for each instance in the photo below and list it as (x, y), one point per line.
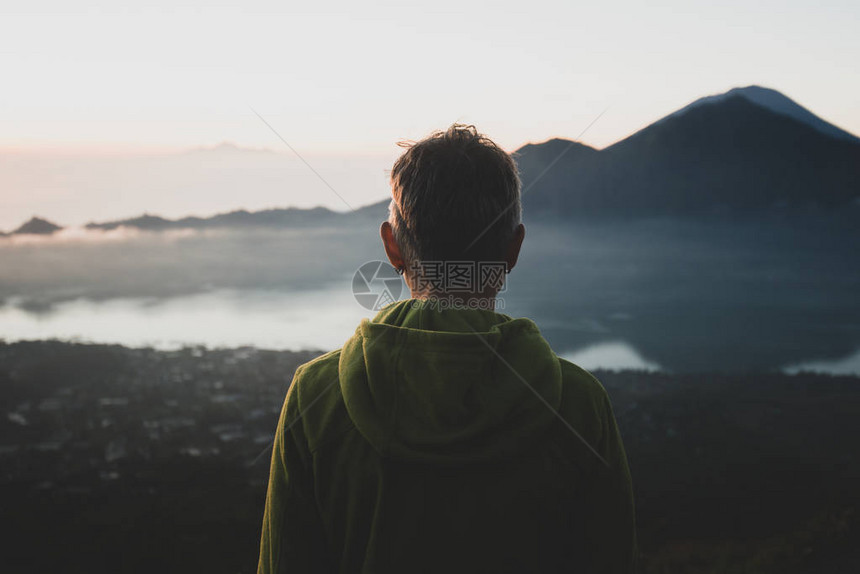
(466, 300)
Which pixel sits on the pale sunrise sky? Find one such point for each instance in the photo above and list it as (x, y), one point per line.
(348, 78)
(345, 76)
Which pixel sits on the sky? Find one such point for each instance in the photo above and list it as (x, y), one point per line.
(354, 78)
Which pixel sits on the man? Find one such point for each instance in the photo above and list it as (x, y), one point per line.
(443, 436)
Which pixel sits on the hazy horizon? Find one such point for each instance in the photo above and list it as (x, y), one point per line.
(74, 189)
(74, 186)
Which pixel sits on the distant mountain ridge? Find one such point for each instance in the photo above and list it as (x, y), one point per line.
(748, 149)
(286, 217)
(267, 218)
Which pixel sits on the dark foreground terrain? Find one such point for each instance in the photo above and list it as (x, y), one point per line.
(134, 460)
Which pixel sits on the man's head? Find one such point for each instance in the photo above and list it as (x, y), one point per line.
(456, 197)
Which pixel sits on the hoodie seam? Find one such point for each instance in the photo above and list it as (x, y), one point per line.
(522, 323)
(395, 362)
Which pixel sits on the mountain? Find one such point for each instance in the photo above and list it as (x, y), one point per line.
(723, 154)
(375, 211)
(777, 103)
(548, 168)
(268, 218)
(558, 157)
(36, 226)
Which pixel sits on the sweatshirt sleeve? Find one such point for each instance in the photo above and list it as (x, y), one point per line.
(292, 537)
(612, 532)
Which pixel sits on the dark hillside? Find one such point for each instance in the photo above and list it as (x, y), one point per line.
(134, 460)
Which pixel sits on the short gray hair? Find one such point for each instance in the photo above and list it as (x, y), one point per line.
(456, 197)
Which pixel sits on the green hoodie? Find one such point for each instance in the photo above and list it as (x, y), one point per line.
(447, 440)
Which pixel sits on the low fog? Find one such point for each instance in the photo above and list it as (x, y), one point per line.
(38, 272)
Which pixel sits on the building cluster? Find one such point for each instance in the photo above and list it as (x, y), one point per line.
(126, 412)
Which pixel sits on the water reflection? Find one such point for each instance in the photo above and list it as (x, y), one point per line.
(849, 365)
(614, 355)
(323, 319)
(314, 319)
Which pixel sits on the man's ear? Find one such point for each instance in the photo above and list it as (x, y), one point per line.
(391, 248)
(515, 245)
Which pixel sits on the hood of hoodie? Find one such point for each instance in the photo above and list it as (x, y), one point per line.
(449, 385)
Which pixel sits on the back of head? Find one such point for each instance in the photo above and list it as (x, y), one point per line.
(456, 197)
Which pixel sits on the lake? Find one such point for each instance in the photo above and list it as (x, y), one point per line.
(724, 296)
(316, 320)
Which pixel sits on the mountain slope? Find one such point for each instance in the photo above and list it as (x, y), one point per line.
(560, 156)
(778, 103)
(727, 154)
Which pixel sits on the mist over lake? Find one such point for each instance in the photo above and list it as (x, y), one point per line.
(672, 294)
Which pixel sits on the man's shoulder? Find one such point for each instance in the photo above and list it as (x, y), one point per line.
(579, 384)
(318, 400)
(312, 375)
(584, 404)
